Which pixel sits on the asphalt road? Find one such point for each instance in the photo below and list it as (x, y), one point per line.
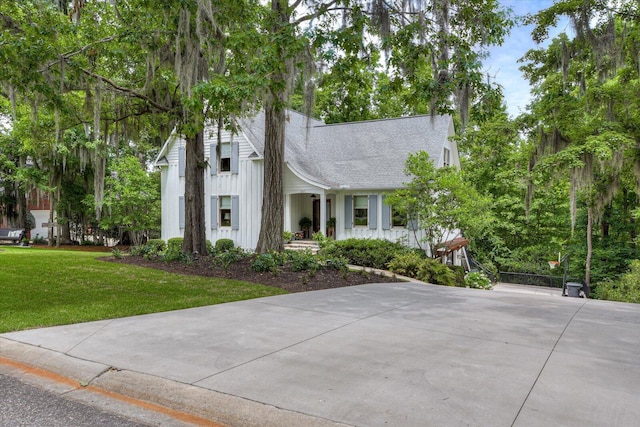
(27, 401)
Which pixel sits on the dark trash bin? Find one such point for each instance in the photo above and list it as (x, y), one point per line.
(573, 289)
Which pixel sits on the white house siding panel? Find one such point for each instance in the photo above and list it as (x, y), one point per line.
(395, 234)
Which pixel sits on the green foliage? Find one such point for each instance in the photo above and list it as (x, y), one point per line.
(211, 250)
(437, 273)
(224, 245)
(624, 289)
(338, 263)
(305, 223)
(459, 272)
(303, 261)
(268, 262)
(174, 249)
(287, 236)
(440, 200)
(225, 258)
(424, 269)
(156, 246)
(39, 240)
(477, 280)
(407, 264)
(153, 248)
(320, 238)
(132, 198)
(117, 253)
(374, 253)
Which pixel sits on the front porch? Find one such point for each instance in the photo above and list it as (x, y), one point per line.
(309, 212)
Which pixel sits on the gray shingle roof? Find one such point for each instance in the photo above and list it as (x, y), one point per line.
(358, 155)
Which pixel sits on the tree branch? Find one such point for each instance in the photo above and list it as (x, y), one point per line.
(123, 89)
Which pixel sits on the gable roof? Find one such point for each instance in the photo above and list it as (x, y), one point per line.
(358, 155)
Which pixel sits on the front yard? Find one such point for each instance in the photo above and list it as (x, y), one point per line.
(47, 287)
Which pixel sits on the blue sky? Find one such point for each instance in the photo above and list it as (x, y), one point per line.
(503, 62)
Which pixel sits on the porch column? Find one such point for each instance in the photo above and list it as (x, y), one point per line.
(287, 212)
(323, 213)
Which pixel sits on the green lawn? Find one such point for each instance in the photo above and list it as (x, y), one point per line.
(40, 287)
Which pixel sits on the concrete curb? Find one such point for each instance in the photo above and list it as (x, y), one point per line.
(211, 405)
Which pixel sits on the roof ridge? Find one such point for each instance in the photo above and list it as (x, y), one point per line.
(384, 119)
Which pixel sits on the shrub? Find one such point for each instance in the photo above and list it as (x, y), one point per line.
(210, 248)
(374, 253)
(174, 249)
(156, 246)
(266, 262)
(459, 272)
(223, 245)
(39, 240)
(287, 236)
(412, 264)
(117, 253)
(624, 289)
(477, 280)
(337, 263)
(303, 261)
(225, 259)
(437, 273)
(406, 264)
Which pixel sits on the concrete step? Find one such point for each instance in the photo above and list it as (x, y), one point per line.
(301, 245)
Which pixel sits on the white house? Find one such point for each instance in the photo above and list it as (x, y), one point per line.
(340, 171)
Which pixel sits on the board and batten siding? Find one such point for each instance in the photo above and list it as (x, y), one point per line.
(374, 230)
(246, 185)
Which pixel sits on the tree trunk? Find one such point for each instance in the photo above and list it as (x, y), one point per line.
(587, 268)
(195, 238)
(272, 221)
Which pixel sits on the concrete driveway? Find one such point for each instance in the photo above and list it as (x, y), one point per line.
(402, 354)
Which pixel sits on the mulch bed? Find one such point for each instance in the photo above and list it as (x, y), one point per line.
(291, 281)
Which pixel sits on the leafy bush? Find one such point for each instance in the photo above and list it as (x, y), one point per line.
(374, 253)
(320, 238)
(156, 246)
(287, 236)
(459, 273)
(174, 249)
(211, 250)
(437, 273)
(624, 289)
(226, 258)
(406, 264)
(117, 253)
(303, 261)
(266, 262)
(223, 245)
(338, 263)
(414, 265)
(477, 280)
(39, 240)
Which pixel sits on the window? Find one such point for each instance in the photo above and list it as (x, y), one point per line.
(398, 219)
(225, 211)
(225, 157)
(360, 210)
(446, 157)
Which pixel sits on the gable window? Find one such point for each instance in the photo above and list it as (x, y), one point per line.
(360, 210)
(225, 157)
(446, 157)
(225, 211)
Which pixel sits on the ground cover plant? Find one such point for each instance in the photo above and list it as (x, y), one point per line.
(46, 287)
